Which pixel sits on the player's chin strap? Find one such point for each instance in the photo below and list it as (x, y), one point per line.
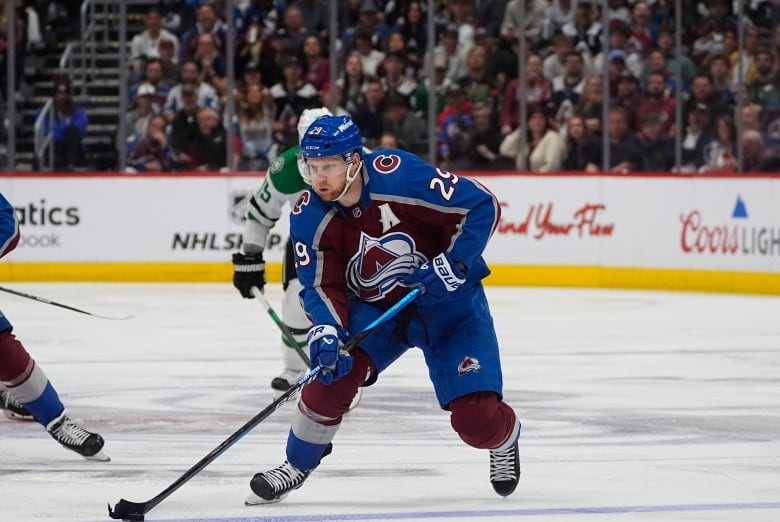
(350, 178)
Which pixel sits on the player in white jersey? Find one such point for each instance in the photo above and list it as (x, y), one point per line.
(283, 185)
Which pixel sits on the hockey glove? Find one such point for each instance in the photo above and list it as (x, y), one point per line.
(437, 278)
(325, 343)
(248, 271)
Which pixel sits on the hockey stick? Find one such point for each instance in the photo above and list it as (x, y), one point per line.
(54, 303)
(135, 511)
(286, 333)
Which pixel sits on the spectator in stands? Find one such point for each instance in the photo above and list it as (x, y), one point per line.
(455, 124)
(532, 22)
(696, 134)
(294, 94)
(153, 75)
(583, 149)
(629, 97)
(351, 83)
(368, 24)
(541, 150)
(6, 18)
(437, 85)
(765, 88)
(213, 69)
(297, 32)
(150, 152)
(558, 14)
(619, 33)
(184, 126)
(412, 131)
(178, 16)
(370, 57)
(750, 47)
(656, 64)
(206, 94)
(396, 44)
(317, 17)
(655, 147)
(450, 52)
(485, 141)
(369, 115)
(657, 101)
(147, 43)
(702, 93)
(675, 61)
(460, 15)
(710, 32)
(643, 29)
(585, 30)
(719, 72)
(254, 122)
(68, 123)
(168, 56)
(538, 91)
(567, 89)
(624, 152)
(413, 26)
(209, 147)
(330, 100)
(720, 153)
(252, 76)
(394, 78)
(316, 65)
(389, 140)
(589, 107)
(756, 156)
(207, 23)
(137, 119)
(554, 65)
(479, 87)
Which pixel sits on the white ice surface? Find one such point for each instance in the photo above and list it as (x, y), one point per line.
(636, 406)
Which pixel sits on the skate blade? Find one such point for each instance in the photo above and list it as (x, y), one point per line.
(18, 417)
(99, 456)
(254, 500)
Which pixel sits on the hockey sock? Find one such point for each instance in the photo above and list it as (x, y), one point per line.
(483, 421)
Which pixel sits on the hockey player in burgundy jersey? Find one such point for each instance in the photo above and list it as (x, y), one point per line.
(370, 228)
(25, 391)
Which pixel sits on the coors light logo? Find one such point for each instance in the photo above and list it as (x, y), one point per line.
(704, 235)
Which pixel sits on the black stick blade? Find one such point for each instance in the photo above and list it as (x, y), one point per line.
(126, 510)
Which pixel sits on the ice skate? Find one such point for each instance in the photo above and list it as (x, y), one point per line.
(13, 409)
(274, 485)
(505, 470)
(75, 438)
(282, 382)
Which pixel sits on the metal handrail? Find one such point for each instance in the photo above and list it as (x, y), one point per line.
(45, 143)
(88, 34)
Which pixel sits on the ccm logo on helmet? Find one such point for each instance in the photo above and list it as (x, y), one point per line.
(386, 163)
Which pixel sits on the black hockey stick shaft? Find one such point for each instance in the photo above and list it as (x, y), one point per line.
(135, 511)
(286, 333)
(54, 303)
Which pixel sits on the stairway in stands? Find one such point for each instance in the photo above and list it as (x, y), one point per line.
(101, 96)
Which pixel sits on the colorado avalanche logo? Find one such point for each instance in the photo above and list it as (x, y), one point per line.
(380, 264)
(469, 364)
(386, 163)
